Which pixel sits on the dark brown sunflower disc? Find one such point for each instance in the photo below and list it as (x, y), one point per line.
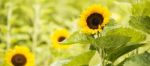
(18, 60)
(60, 39)
(94, 20)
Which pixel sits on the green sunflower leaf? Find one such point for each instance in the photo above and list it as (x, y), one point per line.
(140, 18)
(81, 60)
(138, 60)
(112, 22)
(141, 23)
(115, 54)
(111, 41)
(136, 36)
(122, 62)
(78, 37)
(141, 8)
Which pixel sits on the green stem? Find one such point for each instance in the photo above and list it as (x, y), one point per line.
(103, 57)
(101, 52)
(9, 14)
(36, 26)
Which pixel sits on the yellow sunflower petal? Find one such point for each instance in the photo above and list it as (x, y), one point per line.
(59, 36)
(19, 55)
(90, 23)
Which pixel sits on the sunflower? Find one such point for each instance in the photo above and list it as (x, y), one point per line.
(59, 36)
(19, 56)
(94, 19)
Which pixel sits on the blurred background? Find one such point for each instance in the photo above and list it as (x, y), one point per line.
(31, 22)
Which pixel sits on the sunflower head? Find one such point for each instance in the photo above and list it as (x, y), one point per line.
(94, 19)
(19, 56)
(59, 36)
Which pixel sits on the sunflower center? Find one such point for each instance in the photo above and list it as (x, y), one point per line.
(61, 39)
(94, 20)
(18, 60)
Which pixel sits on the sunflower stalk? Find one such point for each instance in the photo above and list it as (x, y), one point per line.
(102, 55)
(9, 14)
(36, 25)
(101, 52)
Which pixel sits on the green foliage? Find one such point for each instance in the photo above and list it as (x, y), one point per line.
(141, 23)
(136, 36)
(122, 62)
(114, 42)
(140, 18)
(78, 37)
(140, 8)
(81, 60)
(111, 23)
(115, 54)
(138, 60)
(111, 41)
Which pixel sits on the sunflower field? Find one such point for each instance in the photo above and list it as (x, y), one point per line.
(74, 32)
